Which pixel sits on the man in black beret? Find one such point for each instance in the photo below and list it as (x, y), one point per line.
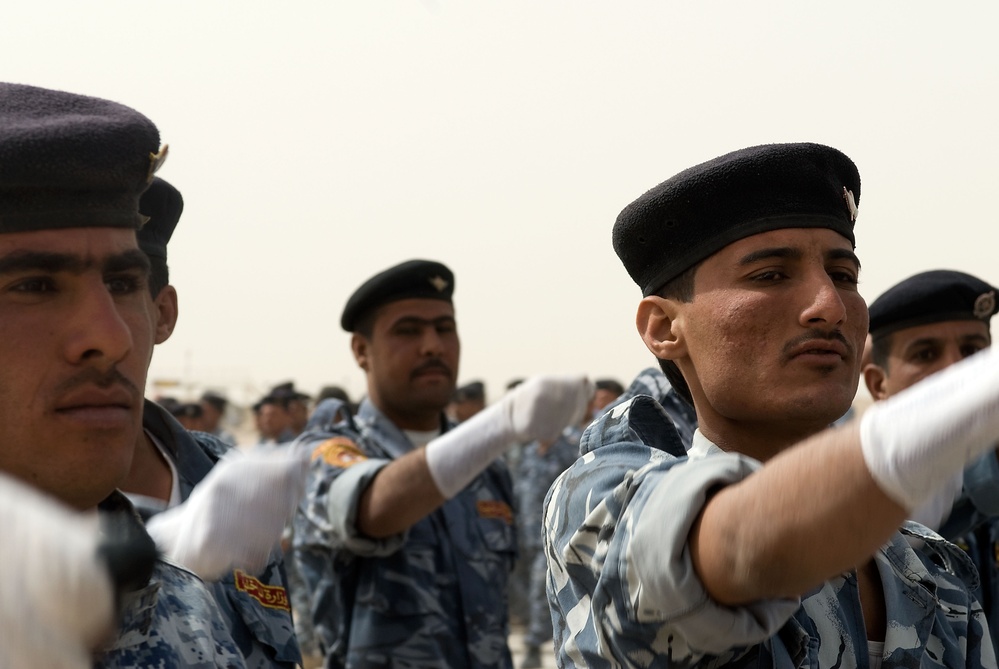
(772, 541)
(78, 328)
(406, 535)
(173, 456)
(214, 407)
(921, 326)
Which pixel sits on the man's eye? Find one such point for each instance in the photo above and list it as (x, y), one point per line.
(123, 284)
(844, 277)
(969, 350)
(769, 276)
(925, 355)
(34, 285)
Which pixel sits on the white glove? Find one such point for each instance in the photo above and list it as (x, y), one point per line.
(915, 442)
(537, 409)
(235, 516)
(57, 603)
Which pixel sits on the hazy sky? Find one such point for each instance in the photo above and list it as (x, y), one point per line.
(317, 143)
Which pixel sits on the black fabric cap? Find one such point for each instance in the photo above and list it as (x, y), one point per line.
(932, 297)
(68, 160)
(286, 391)
(699, 211)
(163, 204)
(216, 400)
(413, 278)
(475, 390)
(187, 410)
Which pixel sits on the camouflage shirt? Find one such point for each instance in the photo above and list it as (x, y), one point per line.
(973, 524)
(255, 607)
(434, 596)
(624, 592)
(652, 382)
(173, 621)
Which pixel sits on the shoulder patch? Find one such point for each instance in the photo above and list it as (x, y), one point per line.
(339, 452)
(271, 596)
(493, 508)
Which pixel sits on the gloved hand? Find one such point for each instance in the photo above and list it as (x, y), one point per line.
(542, 406)
(915, 442)
(235, 516)
(537, 409)
(57, 604)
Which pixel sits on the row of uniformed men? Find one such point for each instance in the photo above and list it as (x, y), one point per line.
(769, 537)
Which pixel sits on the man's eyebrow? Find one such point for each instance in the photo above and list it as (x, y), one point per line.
(133, 259)
(423, 322)
(790, 253)
(844, 254)
(49, 262)
(777, 253)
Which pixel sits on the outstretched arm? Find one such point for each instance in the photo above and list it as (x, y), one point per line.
(827, 504)
(413, 486)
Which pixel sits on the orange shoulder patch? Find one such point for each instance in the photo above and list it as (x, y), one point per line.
(493, 508)
(339, 452)
(271, 596)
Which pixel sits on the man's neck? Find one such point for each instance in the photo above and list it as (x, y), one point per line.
(759, 440)
(150, 474)
(422, 421)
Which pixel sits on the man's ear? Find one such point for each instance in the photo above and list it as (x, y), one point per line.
(359, 346)
(660, 323)
(876, 380)
(166, 313)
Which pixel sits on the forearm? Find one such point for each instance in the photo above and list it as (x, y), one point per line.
(400, 495)
(810, 513)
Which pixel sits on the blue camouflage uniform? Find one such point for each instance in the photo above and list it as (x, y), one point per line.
(172, 621)
(652, 382)
(536, 471)
(432, 597)
(624, 592)
(254, 606)
(973, 524)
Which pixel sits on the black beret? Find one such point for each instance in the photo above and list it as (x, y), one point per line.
(414, 278)
(187, 410)
(214, 399)
(476, 390)
(163, 204)
(699, 211)
(68, 160)
(932, 297)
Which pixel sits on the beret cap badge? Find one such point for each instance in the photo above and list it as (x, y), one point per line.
(438, 282)
(985, 305)
(156, 161)
(851, 203)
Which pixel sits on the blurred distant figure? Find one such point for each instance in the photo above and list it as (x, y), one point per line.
(190, 415)
(296, 406)
(332, 405)
(467, 401)
(273, 421)
(540, 464)
(607, 391)
(336, 392)
(213, 407)
(168, 403)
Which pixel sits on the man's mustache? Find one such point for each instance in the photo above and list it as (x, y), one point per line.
(433, 364)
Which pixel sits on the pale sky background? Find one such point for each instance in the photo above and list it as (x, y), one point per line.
(317, 143)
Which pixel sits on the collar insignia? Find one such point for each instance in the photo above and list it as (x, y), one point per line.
(985, 305)
(851, 203)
